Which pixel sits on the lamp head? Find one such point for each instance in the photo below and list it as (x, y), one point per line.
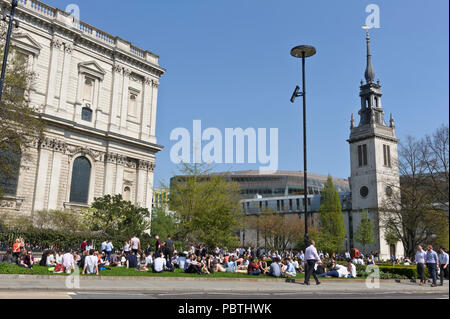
(298, 51)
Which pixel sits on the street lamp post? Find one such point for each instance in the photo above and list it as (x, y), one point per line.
(303, 51)
(12, 21)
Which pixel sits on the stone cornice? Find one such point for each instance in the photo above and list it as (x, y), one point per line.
(101, 133)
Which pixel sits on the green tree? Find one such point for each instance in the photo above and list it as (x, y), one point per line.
(20, 124)
(207, 206)
(163, 223)
(417, 211)
(116, 216)
(364, 232)
(331, 237)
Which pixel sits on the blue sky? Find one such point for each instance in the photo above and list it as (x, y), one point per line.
(228, 64)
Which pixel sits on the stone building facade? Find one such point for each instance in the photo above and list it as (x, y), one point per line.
(97, 94)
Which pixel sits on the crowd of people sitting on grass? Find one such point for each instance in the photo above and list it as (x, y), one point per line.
(164, 257)
(196, 259)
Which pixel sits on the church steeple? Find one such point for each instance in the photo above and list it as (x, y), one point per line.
(371, 111)
(370, 73)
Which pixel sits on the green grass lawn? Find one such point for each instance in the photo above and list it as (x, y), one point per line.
(120, 271)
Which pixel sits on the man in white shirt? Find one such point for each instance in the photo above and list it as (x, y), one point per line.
(67, 261)
(311, 258)
(420, 264)
(135, 244)
(181, 260)
(103, 246)
(336, 271)
(360, 261)
(159, 265)
(51, 260)
(90, 264)
(443, 264)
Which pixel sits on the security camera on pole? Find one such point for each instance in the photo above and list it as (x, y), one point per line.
(12, 21)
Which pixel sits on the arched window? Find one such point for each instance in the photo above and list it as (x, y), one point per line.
(10, 158)
(81, 175)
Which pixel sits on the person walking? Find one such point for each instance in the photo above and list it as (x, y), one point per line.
(443, 264)
(311, 258)
(420, 262)
(431, 259)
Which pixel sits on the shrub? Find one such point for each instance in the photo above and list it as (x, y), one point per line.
(57, 239)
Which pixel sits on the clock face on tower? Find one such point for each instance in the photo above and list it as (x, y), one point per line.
(364, 191)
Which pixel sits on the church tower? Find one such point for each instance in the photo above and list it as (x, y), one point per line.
(374, 160)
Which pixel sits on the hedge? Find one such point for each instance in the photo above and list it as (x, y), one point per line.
(398, 270)
(47, 238)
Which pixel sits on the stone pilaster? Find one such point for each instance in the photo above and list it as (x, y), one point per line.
(147, 109)
(149, 191)
(154, 108)
(65, 76)
(124, 104)
(56, 46)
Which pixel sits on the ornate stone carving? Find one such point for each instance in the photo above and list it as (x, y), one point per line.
(53, 144)
(117, 68)
(127, 72)
(131, 163)
(73, 150)
(155, 83)
(148, 80)
(121, 159)
(57, 43)
(111, 158)
(68, 48)
(11, 202)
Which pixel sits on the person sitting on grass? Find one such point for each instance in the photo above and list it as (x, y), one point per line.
(58, 257)
(131, 260)
(351, 268)
(114, 260)
(160, 264)
(90, 264)
(289, 270)
(181, 260)
(203, 266)
(275, 268)
(101, 259)
(253, 268)
(142, 263)
(81, 261)
(217, 267)
(27, 260)
(149, 260)
(263, 265)
(193, 267)
(51, 260)
(67, 261)
(8, 258)
(336, 270)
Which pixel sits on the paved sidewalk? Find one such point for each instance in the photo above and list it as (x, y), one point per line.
(156, 285)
